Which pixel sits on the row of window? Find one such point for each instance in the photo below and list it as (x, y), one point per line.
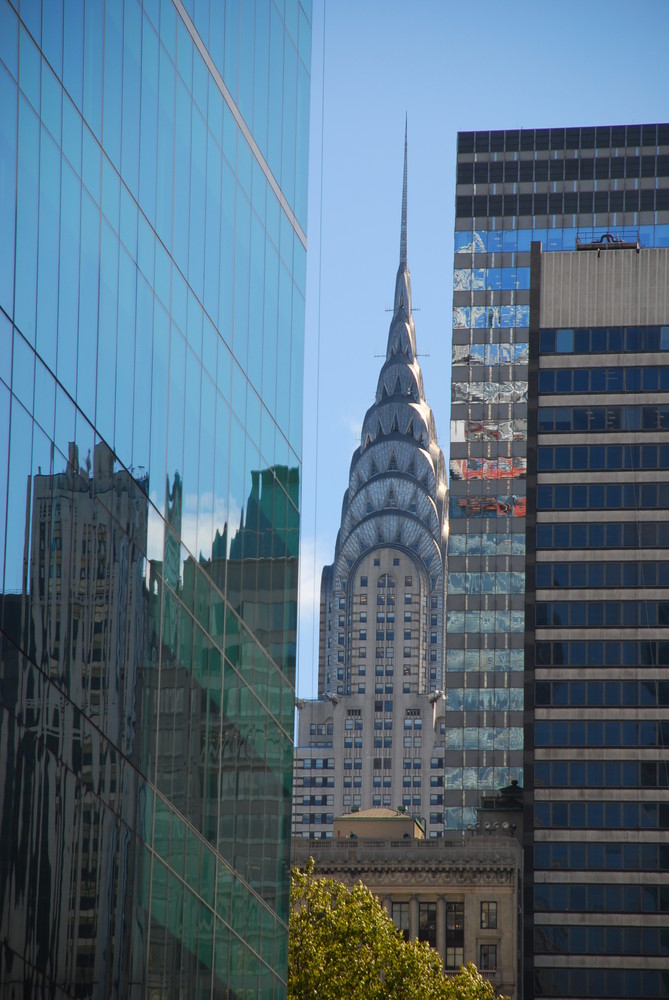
(598, 940)
(318, 800)
(321, 729)
(484, 738)
(481, 778)
(482, 279)
(648, 573)
(595, 457)
(390, 617)
(598, 898)
(594, 380)
(602, 614)
(484, 699)
(595, 653)
(611, 535)
(558, 203)
(598, 733)
(601, 137)
(598, 856)
(465, 660)
(601, 983)
(584, 168)
(317, 818)
(556, 419)
(387, 579)
(489, 354)
(601, 774)
(488, 317)
(604, 340)
(486, 621)
(486, 544)
(486, 583)
(316, 782)
(630, 694)
(604, 496)
(602, 815)
(560, 238)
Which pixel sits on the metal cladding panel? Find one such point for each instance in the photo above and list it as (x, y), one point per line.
(621, 287)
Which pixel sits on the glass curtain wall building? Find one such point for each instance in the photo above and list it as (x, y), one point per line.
(597, 624)
(555, 186)
(153, 162)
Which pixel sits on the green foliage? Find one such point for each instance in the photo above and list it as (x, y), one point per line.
(342, 944)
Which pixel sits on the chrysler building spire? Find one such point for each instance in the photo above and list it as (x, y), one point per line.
(403, 231)
(402, 304)
(381, 662)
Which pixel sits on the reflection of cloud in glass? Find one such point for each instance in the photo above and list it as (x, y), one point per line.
(215, 509)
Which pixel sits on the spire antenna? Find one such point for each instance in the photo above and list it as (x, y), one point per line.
(403, 231)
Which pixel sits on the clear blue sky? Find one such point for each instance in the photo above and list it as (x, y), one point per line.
(451, 66)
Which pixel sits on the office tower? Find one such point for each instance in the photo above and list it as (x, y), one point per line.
(152, 269)
(605, 189)
(597, 638)
(513, 187)
(375, 738)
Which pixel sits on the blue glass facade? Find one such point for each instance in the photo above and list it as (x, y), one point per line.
(152, 277)
(556, 186)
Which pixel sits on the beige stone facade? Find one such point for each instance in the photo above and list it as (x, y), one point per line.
(463, 896)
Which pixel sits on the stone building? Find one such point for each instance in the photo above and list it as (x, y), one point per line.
(461, 895)
(375, 736)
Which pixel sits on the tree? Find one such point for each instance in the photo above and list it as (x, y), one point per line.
(342, 944)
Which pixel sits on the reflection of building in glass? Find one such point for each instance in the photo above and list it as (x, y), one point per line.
(376, 736)
(513, 187)
(259, 578)
(83, 628)
(597, 639)
(151, 310)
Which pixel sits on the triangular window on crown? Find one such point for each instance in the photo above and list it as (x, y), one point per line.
(410, 431)
(391, 500)
(411, 467)
(396, 427)
(379, 534)
(367, 440)
(379, 428)
(398, 535)
(374, 469)
(398, 387)
(392, 464)
(384, 394)
(424, 481)
(369, 509)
